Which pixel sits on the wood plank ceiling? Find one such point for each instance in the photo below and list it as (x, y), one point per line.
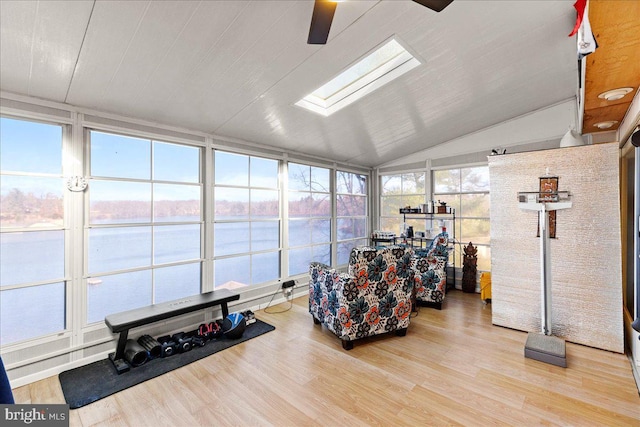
(236, 68)
(615, 64)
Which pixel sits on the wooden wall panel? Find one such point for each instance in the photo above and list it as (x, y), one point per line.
(585, 256)
(614, 64)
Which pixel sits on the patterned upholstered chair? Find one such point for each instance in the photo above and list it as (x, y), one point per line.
(430, 272)
(373, 298)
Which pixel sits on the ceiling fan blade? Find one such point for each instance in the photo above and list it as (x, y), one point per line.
(323, 11)
(436, 5)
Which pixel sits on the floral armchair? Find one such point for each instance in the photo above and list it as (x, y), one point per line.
(430, 272)
(373, 298)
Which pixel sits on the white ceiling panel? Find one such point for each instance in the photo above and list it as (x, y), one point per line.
(236, 68)
(40, 45)
(250, 45)
(157, 32)
(113, 26)
(180, 68)
(17, 20)
(474, 75)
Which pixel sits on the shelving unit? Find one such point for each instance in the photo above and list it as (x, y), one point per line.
(429, 218)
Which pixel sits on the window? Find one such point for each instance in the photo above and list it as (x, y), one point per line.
(351, 209)
(247, 219)
(467, 191)
(144, 223)
(309, 217)
(33, 281)
(380, 67)
(398, 191)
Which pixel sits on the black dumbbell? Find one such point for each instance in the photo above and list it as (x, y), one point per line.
(183, 342)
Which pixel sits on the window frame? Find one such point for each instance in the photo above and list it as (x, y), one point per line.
(404, 195)
(460, 216)
(249, 219)
(64, 227)
(362, 240)
(329, 196)
(91, 277)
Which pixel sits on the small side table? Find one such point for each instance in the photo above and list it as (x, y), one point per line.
(375, 241)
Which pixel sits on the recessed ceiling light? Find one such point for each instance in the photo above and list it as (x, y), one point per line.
(615, 94)
(605, 125)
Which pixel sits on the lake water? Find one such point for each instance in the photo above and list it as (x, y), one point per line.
(39, 256)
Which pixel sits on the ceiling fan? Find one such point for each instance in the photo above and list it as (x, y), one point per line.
(323, 11)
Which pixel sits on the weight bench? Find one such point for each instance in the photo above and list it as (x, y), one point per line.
(123, 321)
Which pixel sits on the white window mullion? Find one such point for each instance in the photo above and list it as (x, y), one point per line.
(208, 203)
(284, 216)
(375, 201)
(428, 182)
(334, 216)
(73, 161)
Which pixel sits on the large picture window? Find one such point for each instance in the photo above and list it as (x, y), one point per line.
(33, 281)
(309, 217)
(351, 212)
(467, 190)
(247, 219)
(144, 223)
(398, 191)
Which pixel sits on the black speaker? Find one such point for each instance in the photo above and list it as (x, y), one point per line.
(134, 353)
(151, 345)
(233, 325)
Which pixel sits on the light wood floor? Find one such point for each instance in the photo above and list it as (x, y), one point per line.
(452, 368)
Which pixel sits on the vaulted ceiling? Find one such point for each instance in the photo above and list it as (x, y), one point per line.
(236, 68)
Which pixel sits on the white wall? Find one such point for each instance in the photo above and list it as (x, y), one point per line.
(538, 127)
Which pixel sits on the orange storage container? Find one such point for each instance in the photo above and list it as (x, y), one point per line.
(485, 286)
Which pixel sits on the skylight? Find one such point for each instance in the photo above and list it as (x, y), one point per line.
(383, 65)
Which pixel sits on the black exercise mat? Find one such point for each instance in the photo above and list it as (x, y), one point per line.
(92, 382)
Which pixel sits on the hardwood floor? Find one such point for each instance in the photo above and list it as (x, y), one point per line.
(452, 368)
